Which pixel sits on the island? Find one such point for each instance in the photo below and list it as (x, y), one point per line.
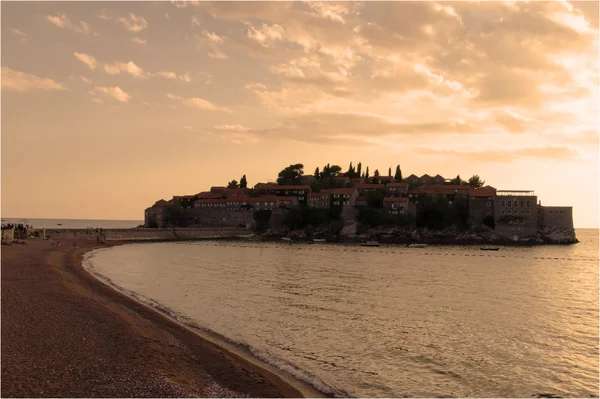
(354, 205)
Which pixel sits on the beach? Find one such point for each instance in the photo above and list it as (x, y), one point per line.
(66, 334)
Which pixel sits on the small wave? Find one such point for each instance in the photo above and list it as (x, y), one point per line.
(264, 356)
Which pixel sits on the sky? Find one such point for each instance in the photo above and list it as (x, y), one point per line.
(110, 106)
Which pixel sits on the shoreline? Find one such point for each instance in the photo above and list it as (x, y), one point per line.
(104, 343)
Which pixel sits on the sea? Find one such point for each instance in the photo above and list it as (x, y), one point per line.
(74, 223)
(388, 321)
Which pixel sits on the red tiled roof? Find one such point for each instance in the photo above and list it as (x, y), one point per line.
(218, 188)
(160, 203)
(422, 192)
(395, 199)
(209, 196)
(284, 187)
(287, 198)
(235, 190)
(397, 185)
(482, 192)
(369, 186)
(343, 191)
(340, 178)
(210, 201)
(183, 196)
(269, 198)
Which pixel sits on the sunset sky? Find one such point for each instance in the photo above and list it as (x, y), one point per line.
(108, 107)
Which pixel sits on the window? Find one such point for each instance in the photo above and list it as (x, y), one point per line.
(509, 212)
(528, 204)
(522, 203)
(336, 202)
(402, 211)
(394, 212)
(394, 206)
(488, 203)
(301, 198)
(312, 205)
(509, 203)
(528, 211)
(502, 203)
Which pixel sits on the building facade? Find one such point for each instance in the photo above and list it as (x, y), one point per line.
(515, 214)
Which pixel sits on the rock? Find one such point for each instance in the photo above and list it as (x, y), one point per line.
(349, 229)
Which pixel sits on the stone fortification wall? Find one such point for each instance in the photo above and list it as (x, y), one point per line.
(557, 216)
(147, 234)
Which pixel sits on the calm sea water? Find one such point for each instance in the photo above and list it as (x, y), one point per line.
(74, 223)
(388, 321)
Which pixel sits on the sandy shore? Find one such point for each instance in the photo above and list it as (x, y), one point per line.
(65, 334)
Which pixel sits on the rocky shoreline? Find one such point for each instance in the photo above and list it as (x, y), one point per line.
(353, 233)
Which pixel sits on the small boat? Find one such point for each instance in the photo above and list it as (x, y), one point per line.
(416, 245)
(59, 224)
(286, 239)
(369, 244)
(490, 248)
(315, 240)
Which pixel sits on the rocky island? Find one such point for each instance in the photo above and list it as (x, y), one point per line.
(352, 206)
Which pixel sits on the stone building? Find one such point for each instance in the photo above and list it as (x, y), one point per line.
(556, 216)
(366, 189)
(320, 200)
(481, 204)
(155, 215)
(516, 214)
(396, 189)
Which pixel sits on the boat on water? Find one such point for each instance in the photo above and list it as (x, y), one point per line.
(315, 240)
(59, 224)
(286, 239)
(369, 244)
(490, 248)
(416, 245)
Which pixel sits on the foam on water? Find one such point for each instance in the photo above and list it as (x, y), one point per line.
(216, 390)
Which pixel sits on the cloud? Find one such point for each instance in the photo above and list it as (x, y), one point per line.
(185, 3)
(22, 36)
(236, 128)
(127, 67)
(62, 21)
(21, 82)
(86, 80)
(185, 77)
(114, 92)
(513, 122)
(218, 55)
(134, 23)
(87, 59)
(213, 42)
(255, 86)
(197, 102)
(246, 10)
(139, 41)
(97, 100)
(212, 37)
(266, 35)
(554, 153)
(166, 75)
